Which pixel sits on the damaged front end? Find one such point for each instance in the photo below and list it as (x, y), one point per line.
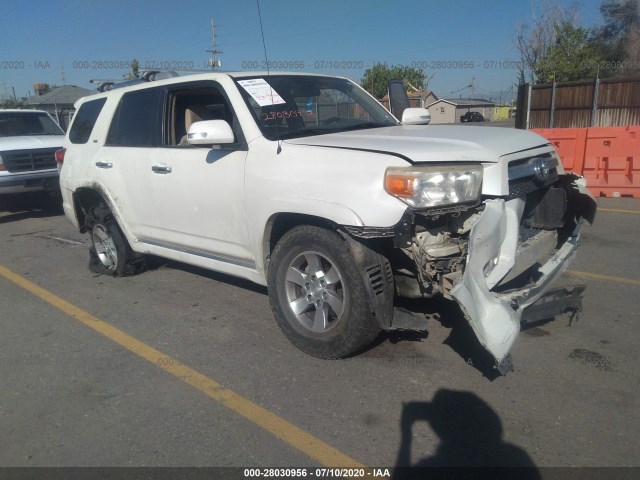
(498, 258)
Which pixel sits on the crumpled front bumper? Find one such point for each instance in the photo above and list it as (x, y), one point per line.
(495, 317)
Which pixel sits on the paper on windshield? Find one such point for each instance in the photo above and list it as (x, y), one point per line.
(261, 91)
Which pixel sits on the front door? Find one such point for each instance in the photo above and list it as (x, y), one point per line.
(196, 195)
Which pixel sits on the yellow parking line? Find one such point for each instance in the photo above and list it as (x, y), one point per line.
(618, 211)
(600, 276)
(285, 431)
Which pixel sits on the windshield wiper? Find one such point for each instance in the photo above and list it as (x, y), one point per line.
(324, 131)
(302, 133)
(363, 126)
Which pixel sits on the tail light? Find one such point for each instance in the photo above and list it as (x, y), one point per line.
(60, 155)
(60, 158)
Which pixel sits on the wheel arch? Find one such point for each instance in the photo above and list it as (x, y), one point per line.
(287, 213)
(280, 223)
(83, 199)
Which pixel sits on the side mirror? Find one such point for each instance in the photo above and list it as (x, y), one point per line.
(416, 116)
(210, 132)
(398, 98)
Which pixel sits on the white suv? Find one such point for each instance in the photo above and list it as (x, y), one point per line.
(28, 142)
(306, 184)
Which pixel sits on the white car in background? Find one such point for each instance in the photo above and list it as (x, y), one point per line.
(29, 140)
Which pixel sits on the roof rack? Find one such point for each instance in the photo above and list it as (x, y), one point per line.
(147, 76)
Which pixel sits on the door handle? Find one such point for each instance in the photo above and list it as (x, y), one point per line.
(104, 164)
(161, 169)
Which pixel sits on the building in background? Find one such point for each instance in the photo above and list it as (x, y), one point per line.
(503, 112)
(449, 110)
(57, 101)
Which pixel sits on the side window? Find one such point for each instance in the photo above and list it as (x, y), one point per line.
(136, 122)
(84, 120)
(195, 104)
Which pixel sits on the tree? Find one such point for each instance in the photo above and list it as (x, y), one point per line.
(534, 38)
(618, 39)
(553, 46)
(135, 65)
(571, 57)
(376, 78)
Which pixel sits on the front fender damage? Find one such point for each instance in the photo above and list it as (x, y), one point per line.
(377, 277)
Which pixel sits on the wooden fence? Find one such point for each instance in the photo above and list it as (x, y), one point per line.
(597, 103)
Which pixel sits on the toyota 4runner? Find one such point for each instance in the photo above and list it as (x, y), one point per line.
(306, 184)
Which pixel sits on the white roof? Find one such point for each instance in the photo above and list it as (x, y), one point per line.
(21, 110)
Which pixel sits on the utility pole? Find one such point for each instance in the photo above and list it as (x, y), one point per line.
(214, 61)
(62, 75)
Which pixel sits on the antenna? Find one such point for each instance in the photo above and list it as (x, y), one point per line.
(214, 61)
(266, 59)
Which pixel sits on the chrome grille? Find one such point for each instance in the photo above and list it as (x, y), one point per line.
(17, 161)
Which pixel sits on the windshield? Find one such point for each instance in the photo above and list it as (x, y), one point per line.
(298, 106)
(17, 124)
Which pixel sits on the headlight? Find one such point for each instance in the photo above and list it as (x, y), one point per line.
(423, 187)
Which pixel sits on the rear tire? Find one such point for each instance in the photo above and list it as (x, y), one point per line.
(318, 295)
(110, 253)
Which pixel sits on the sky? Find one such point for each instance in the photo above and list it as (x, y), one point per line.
(457, 43)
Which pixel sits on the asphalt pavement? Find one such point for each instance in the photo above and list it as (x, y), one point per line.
(179, 366)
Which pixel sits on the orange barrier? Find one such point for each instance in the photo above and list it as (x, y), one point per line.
(608, 157)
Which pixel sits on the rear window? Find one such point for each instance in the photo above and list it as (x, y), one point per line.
(85, 120)
(19, 124)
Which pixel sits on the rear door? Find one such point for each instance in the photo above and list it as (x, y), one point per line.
(135, 130)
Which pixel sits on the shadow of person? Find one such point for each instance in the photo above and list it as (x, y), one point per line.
(470, 434)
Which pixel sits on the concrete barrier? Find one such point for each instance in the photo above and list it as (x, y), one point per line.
(608, 157)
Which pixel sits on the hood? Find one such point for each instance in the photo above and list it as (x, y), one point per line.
(433, 143)
(28, 142)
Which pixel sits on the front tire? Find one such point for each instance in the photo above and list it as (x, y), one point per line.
(318, 295)
(110, 253)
